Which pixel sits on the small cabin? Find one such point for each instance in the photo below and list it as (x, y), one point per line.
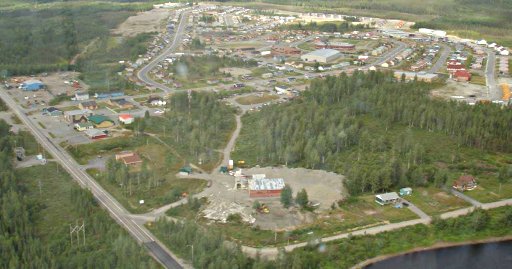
(405, 191)
(387, 198)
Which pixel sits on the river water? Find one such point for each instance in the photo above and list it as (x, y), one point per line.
(497, 255)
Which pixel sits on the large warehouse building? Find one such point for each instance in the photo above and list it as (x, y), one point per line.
(265, 187)
(321, 56)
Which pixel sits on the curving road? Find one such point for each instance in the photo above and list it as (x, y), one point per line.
(142, 75)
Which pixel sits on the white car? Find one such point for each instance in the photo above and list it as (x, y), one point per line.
(159, 112)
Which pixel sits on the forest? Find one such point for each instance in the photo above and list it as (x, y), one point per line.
(197, 127)
(36, 214)
(380, 132)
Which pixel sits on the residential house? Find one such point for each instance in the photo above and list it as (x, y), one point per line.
(462, 75)
(156, 101)
(126, 118)
(82, 126)
(129, 158)
(101, 121)
(91, 105)
(75, 116)
(52, 111)
(387, 198)
(81, 96)
(121, 103)
(465, 183)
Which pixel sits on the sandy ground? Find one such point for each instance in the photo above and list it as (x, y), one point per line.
(463, 89)
(235, 71)
(143, 22)
(322, 187)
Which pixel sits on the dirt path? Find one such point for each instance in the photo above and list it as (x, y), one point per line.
(231, 144)
(73, 61)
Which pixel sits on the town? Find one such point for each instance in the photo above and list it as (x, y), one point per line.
(176, 145)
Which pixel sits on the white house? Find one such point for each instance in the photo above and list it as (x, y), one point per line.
(126, 118)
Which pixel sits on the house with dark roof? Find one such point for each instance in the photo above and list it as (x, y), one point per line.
(52, 111)
(121, 103)
(91, 105)
(75, 116)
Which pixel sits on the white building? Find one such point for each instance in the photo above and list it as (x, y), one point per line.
(321, 56)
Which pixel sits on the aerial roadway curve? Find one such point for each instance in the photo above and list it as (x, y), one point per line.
(115, 209)
(143, 72)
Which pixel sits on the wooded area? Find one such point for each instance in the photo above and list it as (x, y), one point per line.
(197, 127)
(36, 213)
(380, 132)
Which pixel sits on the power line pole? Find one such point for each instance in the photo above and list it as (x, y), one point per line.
(76, 229)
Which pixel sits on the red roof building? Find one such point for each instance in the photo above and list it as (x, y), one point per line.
(465, 183)
(462, 75)
(454, 66)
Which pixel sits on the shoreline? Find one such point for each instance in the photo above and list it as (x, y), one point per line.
(435, 246)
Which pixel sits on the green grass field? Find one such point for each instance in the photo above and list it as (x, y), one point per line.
(434, 201)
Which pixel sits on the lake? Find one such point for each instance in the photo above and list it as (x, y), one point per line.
(495, 255)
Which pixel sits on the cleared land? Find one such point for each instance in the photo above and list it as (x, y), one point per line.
(256, 99)
(143, 22)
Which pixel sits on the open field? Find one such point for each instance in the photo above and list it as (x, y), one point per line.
(434, 201)
(144, 22)
(256, 99)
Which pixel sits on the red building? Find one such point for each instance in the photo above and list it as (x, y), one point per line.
(454, 66)
(462, 75)
(288, 51)
(334, 45)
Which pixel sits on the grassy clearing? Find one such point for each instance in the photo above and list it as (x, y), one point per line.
(256, 99)
(84, 152)
(153, 198)
(434, 201)
(169, 188)
(477, 79)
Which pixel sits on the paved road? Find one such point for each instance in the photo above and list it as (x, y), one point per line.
(465, 197)
(417, 211)
(400, 46)
(445, 53)
(492, 90)
(115, 209)
(143, 72)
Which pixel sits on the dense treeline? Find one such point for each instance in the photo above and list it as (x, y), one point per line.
(25, 212)
(379, 132)
(196, 127)
(38, 40)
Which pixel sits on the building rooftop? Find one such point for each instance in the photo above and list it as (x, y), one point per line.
(259, 184)
(77, 112)
(388, 196)
(323, 53)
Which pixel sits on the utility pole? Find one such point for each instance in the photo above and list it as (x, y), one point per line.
(192, 250)
(40, 185)
(76, 230)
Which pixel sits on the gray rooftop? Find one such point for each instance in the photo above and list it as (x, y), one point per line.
(388, 196)
(323, 53)
(259, 184)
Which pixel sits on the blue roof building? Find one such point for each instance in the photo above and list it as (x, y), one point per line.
(32, 85)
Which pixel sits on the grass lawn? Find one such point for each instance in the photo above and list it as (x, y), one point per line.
(434, 201)
(477, 79)
(153, 198)
(255, 99)
(488, 190)
(309, 46)
(83, 153)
